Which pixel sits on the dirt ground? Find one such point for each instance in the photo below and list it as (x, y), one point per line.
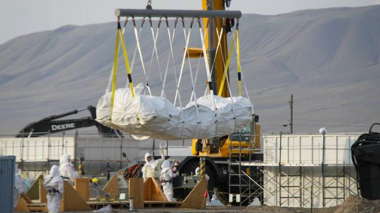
(353, 204)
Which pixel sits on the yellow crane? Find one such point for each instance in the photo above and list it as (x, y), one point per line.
(236, 147)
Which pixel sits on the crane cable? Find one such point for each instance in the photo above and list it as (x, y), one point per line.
(187, 38)
(155, 51)
(171, 39)
(140, 54)
(186, 53)
(135, 51)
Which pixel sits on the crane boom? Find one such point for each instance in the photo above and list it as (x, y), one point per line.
(212, 42)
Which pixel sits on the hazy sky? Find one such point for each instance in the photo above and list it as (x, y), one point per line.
(19, 17)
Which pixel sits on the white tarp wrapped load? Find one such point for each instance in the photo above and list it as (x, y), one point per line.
(156, 117)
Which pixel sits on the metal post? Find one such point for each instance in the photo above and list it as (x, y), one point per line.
(250, 159)
(280, 168)
(153, 146)
(75, 149)
(323, 170)
(312, 186)
(121, 152)
(344, 183)
(63, 142)
(48, 155)
(240, 167)
(202, 162)
(301, 204)
(291, 114)
(22, 151)
(230, 172)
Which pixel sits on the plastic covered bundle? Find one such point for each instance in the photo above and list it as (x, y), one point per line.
(156, 117)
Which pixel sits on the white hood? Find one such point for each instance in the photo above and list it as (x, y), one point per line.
(53, 176)
(153, 163)
(65, 159)
(54, 171)
(165, 166)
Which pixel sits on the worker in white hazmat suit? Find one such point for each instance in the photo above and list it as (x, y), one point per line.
(197, 173)
(54, 187)
(166, 180)
(150, 168)
(66, 169)
(18, 187)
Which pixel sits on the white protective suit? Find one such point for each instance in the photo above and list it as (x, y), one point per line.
(166, 180)
(150, 167)
(66, 169)
(18, 188)
(54, 187)
(197, 173)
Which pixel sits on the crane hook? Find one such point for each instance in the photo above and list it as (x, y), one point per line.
(149, 5)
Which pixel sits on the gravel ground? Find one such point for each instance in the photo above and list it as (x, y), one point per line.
(353, 204)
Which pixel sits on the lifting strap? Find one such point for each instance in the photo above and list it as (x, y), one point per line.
(115, 68)
(187, 38)
(208, 73)
(154, 51)
(221, 87)
(168, 62)
(120, 39)
(223, 60)
(125, 54)
(186, 53)
(239, 69)
(108, 89)
(228, 82)
(171, 39)
(140, 53)
(135, 52)
(196, 77)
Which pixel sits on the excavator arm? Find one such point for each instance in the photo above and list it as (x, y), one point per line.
(51, 125)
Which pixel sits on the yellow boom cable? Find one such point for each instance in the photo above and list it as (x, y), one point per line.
(221, 87)
(115, 70)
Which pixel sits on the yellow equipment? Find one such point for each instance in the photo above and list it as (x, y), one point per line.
(223, 145)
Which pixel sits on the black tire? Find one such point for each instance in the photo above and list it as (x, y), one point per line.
(188, 168)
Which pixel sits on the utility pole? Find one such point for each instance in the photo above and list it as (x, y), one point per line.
(291, 114)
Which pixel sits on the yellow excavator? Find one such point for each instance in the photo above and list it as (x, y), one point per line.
(226, 175)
